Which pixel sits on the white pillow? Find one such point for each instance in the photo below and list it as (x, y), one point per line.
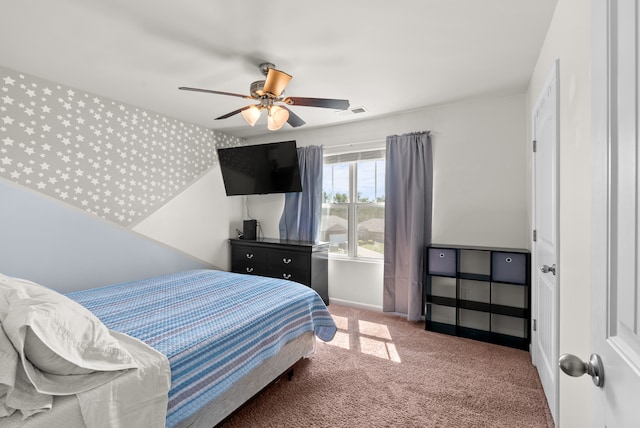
(16, 392)
(48, 360)
(64, 348)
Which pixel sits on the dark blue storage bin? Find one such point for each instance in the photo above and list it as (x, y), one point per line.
(442, 261)
(509, 267)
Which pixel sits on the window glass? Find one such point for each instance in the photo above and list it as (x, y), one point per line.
(335, 184)
(370, 186)
(370, 220)
(380, 179)
(334, 228)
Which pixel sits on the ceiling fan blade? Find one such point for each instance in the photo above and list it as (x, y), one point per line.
(294, 120)
(276, 82)
(233, 113)
(318, 102)
(209, 91)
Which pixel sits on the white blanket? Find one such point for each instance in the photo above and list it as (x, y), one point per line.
(136, 398)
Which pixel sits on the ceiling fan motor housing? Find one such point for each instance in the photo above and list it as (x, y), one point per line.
(256, 88)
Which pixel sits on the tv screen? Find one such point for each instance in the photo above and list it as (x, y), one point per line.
(260, 169)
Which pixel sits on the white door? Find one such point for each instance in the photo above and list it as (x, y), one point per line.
(544, 291)
(616, 214)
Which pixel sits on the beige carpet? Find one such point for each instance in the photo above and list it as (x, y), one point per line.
(382, 371)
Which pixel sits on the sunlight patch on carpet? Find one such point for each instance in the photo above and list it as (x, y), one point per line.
(379, 348)
(340, 340)
(375, 340)
(368, 337)
(341, 322)
(380, 331)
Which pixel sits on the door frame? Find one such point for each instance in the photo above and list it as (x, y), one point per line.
(600, 179)
(554, 73)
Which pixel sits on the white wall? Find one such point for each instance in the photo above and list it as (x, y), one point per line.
(479, 150)
(45, 240)
(267, 210)
(568, 40)
(199, 221)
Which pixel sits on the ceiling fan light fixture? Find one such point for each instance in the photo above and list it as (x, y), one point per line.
(278, 116)
(252, 114)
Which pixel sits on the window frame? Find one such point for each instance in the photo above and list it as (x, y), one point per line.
(353, 205)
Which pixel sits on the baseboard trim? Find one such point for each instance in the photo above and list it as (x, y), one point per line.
(356, 305)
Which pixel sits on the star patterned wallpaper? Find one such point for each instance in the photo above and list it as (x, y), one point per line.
(112, 160)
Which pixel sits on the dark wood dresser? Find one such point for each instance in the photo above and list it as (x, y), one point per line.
(300, 261)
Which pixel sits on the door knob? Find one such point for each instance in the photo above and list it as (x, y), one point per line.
(547, 269)
(574, 366)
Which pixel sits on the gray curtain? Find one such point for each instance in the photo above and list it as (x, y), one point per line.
(408, 190)
(302, 213)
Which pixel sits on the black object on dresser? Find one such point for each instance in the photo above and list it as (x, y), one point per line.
(479, 292)
(299, 261)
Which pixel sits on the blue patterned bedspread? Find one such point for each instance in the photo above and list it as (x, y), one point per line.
(213, 326)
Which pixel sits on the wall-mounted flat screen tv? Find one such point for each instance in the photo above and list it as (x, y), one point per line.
(260, 169)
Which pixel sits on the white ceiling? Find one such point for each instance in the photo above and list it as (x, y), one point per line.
(384, 56)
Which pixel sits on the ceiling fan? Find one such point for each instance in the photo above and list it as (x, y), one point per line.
(269, 95)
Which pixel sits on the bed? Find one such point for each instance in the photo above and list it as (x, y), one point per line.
(198, 344)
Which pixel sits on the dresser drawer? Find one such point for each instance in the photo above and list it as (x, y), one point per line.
(291, 265)
(249, 260)
(299, 261)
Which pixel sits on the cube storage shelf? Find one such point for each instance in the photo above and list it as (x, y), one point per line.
(480, 293)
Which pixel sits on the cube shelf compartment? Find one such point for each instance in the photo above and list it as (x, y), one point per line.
(481, 293)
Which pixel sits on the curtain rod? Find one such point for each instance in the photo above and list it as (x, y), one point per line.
(356, 143)
(383, 140)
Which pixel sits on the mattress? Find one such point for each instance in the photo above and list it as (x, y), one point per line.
(250, 384)
(214, 327)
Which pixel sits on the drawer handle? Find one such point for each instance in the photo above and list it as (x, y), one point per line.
(508, 260)
(286, 275)
(249, 255)
(286, 261)
(441, 255)
(249, 269)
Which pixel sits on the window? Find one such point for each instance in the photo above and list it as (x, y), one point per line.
(353, 204)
